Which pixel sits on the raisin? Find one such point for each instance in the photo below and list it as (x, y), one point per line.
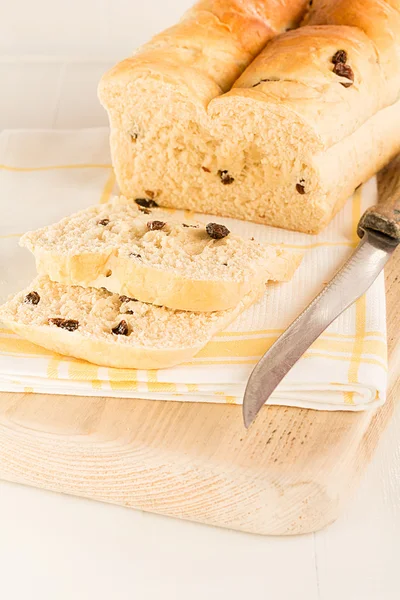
(127, 299)
(68, 324)
(109, 273)
(134, 136)
(217, 231)
(344, 71)
(135, 255)
(206, 170)
(32, 298)
(146, 202)
(155, 225)
(150, 194)
(225, 264)
(145, 211)
(340, 56)
(103, 222)
(300, 188)
(121, 329)
(226, 179)
(186, 225)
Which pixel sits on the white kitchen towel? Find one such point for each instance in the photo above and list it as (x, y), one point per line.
(46, 175)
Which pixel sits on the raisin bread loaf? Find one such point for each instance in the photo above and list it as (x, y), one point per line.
(110, 330)
(315, 114)
(146, 253)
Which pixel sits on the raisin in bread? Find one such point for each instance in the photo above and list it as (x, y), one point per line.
(110, 330)
(146, 253)
(315, 114)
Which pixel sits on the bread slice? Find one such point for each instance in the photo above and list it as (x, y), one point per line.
(147, 254)
(109, 330)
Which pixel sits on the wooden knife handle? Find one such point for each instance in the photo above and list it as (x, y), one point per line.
(385, 216)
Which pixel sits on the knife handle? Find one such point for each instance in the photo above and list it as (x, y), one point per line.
(385, 216)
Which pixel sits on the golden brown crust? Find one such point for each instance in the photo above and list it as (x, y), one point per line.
(215, 38)
(156, 286)
(290, 112)
(380, 21)
(99, 352)
(252, 22)
(309, 86)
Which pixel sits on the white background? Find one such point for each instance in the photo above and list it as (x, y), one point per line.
(52, 547)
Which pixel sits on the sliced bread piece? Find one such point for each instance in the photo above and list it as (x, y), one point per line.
(146, 253)
(112, 330)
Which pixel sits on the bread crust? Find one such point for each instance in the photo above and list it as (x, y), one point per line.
(162, 288)
(275, 126)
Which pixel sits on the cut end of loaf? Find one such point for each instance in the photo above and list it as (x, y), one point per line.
(215, 161)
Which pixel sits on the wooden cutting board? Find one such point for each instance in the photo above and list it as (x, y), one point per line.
(290, 473)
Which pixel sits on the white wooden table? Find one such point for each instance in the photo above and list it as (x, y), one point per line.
(58, 547)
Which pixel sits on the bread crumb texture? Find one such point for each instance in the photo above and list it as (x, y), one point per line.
(152, 237)
(98, 312)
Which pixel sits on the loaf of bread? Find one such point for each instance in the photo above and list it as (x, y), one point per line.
(146, 253)
(285, 142)
(112, 330)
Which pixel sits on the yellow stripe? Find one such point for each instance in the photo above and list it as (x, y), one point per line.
(217, 349)
(10, 235)
(366, 361)
(151, 376)
(124, 385)
(239, 348)
(367, 334)
(249, 333)
(28, 389)
(122, 374)
(153, 385)
(348, 397)
(84, 371)
(358, 349)
(316, 245)
(230, 399)
(192, 387)
(252, 361)
(258, 346)
(14, 336)
(122, 379)
(269, 331)
(360, 306)
(52, 368)
(55, 167)
(108, 188)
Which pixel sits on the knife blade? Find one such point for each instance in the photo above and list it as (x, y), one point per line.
(379, 229)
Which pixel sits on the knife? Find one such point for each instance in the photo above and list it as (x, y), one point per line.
(379, 230)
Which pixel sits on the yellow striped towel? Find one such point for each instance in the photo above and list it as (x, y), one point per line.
(45, 175)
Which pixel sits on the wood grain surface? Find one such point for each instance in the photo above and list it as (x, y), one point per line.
(291, 472)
